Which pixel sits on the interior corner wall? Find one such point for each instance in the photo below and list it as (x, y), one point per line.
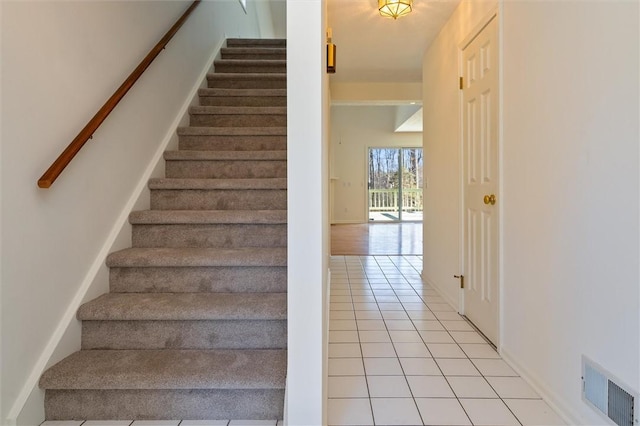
(60, 62)
(442, 150)
(353, 130)
(307, 212)
(571, 194)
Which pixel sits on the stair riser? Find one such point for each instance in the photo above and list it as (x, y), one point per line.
(239, 120)
(249, 101)
(215, 83)
(256, 43)
(233, 143)
(253, 68)
(231, 54)
(236, 334)
(194, 404)
(207, 235)
(212, 169)
(199, 199)
(223, 279)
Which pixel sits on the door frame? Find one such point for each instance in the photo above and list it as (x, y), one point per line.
(495, 13)
(366, 189)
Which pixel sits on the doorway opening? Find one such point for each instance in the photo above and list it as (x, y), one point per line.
(395, 184)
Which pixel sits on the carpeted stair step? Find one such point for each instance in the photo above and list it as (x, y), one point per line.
(232, 138)
(151, 217)
(218, 194)
(210, 235)
(184, 334)
(226, 164)
(186, 257)
(243, 97)
(194, 228)
(184, 321)
(250, 66)
(247, 80)
(166, 384)
(175, 279)
(216, 116)
(257, 42)
(278, 53)
(185, 306)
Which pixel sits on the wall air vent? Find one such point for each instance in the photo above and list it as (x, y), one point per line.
(608, 395)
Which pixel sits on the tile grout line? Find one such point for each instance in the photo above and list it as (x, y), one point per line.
(355, 320)
(394, 347)
(392, 343)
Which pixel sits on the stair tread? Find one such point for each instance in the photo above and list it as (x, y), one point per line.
(185, 306)
(226, 155)
(197, 256)
(169, 369)
(241, 92)
(251, 50)
(232, 131)
(247, 76)
(248, 184)
(235, 110)
(250, 62)
(152, 217)
(238, 40)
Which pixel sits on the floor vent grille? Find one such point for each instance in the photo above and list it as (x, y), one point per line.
(607, 394)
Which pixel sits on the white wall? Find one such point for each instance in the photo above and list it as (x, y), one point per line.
(355, 93)
(307, 114)
(442, 151)
(571, 193)
(570, 199)
(60, 62)
(353, 130)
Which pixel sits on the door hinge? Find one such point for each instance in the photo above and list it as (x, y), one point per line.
(461, 280)
(461, 83)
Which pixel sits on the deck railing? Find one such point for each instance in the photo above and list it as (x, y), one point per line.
(386, 200)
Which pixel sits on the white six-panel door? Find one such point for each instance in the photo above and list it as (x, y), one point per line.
(481, 198)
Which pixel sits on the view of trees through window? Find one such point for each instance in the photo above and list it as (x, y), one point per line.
(395, 184)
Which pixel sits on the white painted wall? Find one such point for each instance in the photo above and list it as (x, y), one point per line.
(571, 236)
(307, 115)
(369, 93)
(442, 150)
(279, 18)
(60, 62)
(353, 130)
(272, 17)
(570, 198)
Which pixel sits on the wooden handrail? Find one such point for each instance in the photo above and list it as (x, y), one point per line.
(86, 133)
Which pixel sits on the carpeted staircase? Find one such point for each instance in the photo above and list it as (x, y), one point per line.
(194, 325)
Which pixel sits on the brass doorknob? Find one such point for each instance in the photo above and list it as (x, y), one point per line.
(490, 199)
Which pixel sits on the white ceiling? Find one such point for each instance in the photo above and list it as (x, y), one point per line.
(371, 48)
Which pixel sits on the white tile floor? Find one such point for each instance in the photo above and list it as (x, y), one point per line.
(400, 355)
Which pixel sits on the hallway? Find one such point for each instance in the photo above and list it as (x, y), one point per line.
(400, 355)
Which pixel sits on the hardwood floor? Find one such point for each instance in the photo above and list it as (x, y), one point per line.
(377, 239)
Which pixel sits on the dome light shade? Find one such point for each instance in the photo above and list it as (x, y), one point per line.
(394, 8)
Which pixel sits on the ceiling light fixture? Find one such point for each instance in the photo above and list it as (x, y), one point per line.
(394, 8)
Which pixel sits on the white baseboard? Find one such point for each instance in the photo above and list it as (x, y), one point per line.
(28, 394)
(553, 399)
(445, 296)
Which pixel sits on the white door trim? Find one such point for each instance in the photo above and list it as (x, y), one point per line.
(494, 13)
